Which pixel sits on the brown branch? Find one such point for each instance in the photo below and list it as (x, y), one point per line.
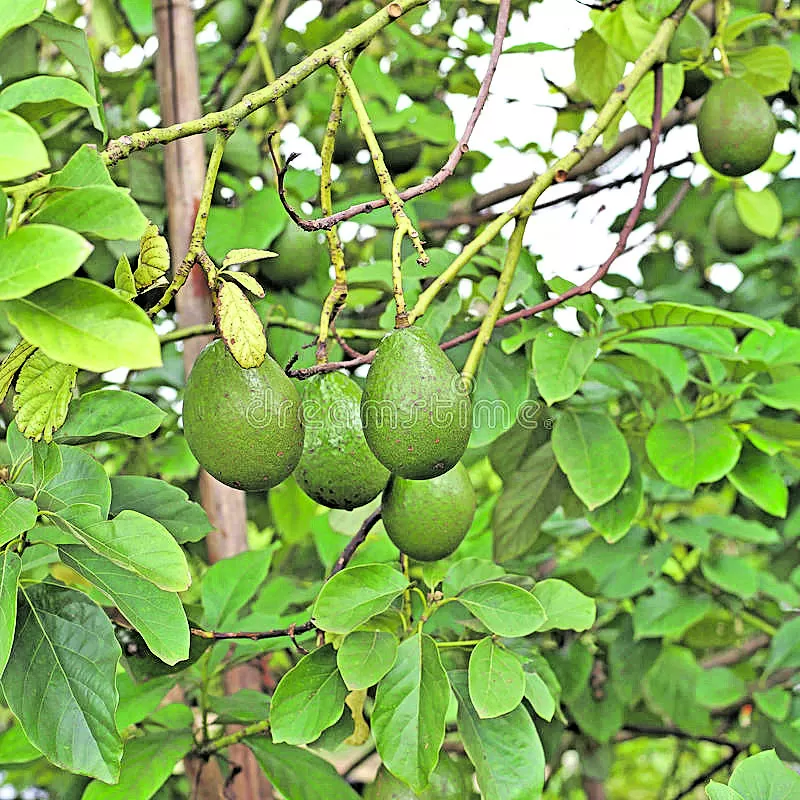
(447, 169)
(635, 731)
(736, 655)
(353, 545)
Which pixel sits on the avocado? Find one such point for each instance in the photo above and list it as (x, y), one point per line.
(337, 468)
(401, 154)
(299, 255)
(428, 520)
(691, 40)
(730, 233)
(736, 127)
(416, 412)
(244, 426)
(448, 782)
(233, 20)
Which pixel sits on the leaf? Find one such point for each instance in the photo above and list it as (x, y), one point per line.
(246, 281)
(84, 168)
(355, 702)
(153, 258)
(565, 606)
(15, 747)
(37, 255)
(656, 10)
(640, 103)
(17, 515)
(506, 751)
(298, 774)
(496, 679)
(736, 28)
(663, 314)
(783, 395)
(668, 360)
(768, 69)
(560, 361)
(44, 390)
(615, 518)
(77, 321)
(11, 365)
(668, 612)
(745, 530)
(539, 696)
(760, 211)
(689, 453)
(308, 699)
(147, 763)
(59, 681)
(21, 149)
(230, 583)
(593, 454)
(109, 414)
(719, 686)
(468, 572)
(784, 649)
(718, 791)
(123, 279)
(15, 15)
(764, 777)
(624, 29)
(408, 719)
(10, 566)
(503, 608)
(774, 702)
(364, 657)
(245, 256)
(43, 94)
(239, 325)
(598, 67)
(757, 477)
(139, 544)
(46, 462)
(783, 347)
(733, 574)
(355, 594)
(103, 211)
(670, 689)
(169, 505)
(157, 615)
(530, 495)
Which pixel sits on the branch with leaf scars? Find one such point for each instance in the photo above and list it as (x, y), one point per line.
(300, 627)
(449, 166)
(575, 291)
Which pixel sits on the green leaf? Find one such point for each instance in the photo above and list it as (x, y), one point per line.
(15, 747)
(102, 211)
(599, 715)
(783, 347)
(364, 657)
(734, 29)
(43, 94)
(230, 583)
(84, 168)
(298, 774)
(668, 360)
(565, 606)
(17, 514)
(44, 390)
(598, 67)
(689, 453)
(530, 495)
(308, 699)
(139, 544)
(12, 363)
(593, 454)
(783, 395)
(354, 595)
(37, 255)
(408, 719)
(615, 518)
(765, 777)
(15, 15)
(760, 211)
(10, 566)
(784, 649)
(768, 69)
(124, 283)
(669, 612)
(503, 608)
(733, 574)
(538, 694)
(560, 361)
(157, 615)
(656, 10)
(745, 530)
(496, 679)
(757, 477)
(640, 103)
(774, 702)
(21, 149)
(59, 681)
(169, 505)
(46, 462)
(240, 326)
(719, 686)
(663, 314)
(624, 29)
(718, 791)
(468, 572)
(670, 689)
(109, 414)
(147, 763)
(77, 321)
(506, 751)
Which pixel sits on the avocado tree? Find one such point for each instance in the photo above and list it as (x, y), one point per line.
(518, 527)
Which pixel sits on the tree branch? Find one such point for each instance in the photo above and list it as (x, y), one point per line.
(709, 773)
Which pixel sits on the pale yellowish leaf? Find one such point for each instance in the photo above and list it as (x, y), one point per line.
(245, 256)
(123, 278)
(355, 702)
(246, 281)
(153, 258)
(240, 326)
(11, 365)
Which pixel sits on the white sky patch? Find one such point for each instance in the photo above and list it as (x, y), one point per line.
(727, 276)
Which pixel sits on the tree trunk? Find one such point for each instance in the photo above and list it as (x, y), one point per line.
(595, 790)
(184, 164)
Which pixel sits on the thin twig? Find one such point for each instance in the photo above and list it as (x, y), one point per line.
(709, 773)
(735, 655)
(353, 545)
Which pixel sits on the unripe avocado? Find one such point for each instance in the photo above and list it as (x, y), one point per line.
(299, 254)
(692, 36)
(400, 155)
(244, 426)
(428, 520)
(727, 228)
(736, 127)
(447, 783)
(337, 468)
(233, 20)
(416, 412)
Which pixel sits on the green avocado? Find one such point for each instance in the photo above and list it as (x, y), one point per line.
(299, 255)
(233, 20)
(727, 228)
(448, 782)
(736, 127)
(416, 412)
(691, 40)
(244, 426)
(428, 520)
(337, 468)
(401, 154)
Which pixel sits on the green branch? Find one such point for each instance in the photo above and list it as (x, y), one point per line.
(215, 745)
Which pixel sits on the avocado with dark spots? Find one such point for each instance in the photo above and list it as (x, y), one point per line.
(244, 426)
(416, 412)
(727, 228)
(299, 255)
(736, 128)
(428, 520)
(337, 468)
(448, 782)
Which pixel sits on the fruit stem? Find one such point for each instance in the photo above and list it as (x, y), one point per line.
(258, 36)
(498, 301)
(723, 11)
(401, 318)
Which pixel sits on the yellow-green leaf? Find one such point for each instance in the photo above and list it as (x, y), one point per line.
(245, 256)
(44, 389)
(153, 258)
(124, 281)
(11, 365)
(246, 281)
(239, 325)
